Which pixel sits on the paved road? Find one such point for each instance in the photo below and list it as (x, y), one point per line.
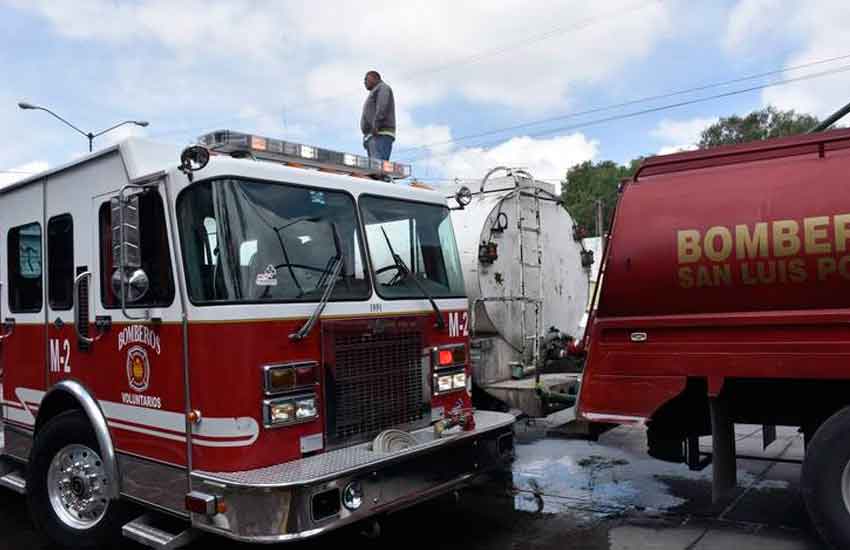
(573, 494)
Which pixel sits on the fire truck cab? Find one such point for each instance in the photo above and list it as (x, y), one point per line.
(235, 337)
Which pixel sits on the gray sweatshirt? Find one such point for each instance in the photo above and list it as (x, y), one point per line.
(379, 111)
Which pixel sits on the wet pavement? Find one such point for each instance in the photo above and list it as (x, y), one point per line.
(564, 493)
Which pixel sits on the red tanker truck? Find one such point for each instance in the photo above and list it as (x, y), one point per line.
(726, 299)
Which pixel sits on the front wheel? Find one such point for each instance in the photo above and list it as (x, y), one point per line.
(68, 485)
(825, 479)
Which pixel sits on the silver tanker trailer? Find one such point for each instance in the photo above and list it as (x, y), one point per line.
(527, 279)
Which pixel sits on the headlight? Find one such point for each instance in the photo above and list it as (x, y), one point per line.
(290, 410)
(450, 381)
(306, 408)
(282, 412)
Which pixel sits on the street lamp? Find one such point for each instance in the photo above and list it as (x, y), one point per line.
(89, 135)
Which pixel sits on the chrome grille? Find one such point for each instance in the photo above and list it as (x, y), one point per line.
(377, 382)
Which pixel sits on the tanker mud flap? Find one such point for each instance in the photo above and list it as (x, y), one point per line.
(724, 472)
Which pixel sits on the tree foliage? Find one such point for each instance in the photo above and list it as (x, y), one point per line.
(766, 123)
(591, 181)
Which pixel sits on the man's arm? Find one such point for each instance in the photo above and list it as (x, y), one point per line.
(383, 103)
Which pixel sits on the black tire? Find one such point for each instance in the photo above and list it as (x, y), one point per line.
(70, 428)
(827, 455)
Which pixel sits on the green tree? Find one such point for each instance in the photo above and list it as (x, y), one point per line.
(591, 181)
(766, 123)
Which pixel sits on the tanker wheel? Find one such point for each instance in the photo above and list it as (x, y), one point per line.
(67, 485)
(825, 479)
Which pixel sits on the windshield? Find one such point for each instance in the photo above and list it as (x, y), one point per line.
(421, 235)
(251, 241)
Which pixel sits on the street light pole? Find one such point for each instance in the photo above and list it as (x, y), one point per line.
(88, 135)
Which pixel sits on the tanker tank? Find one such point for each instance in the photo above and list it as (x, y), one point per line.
(526, 283)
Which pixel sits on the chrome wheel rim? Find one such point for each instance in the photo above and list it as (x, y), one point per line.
(76, 487)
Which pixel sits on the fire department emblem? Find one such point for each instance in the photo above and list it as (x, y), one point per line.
(138, 369)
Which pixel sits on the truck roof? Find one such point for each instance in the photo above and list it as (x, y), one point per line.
(820, 142)
(143, 158)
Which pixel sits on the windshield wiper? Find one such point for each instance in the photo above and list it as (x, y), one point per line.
(406, 274)
(328, 279)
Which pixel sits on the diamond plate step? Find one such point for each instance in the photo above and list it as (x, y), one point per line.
(147, 532)
(15, 481)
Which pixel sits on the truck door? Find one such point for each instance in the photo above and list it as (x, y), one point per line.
(23, 303)
(65, 354)
(136, 343)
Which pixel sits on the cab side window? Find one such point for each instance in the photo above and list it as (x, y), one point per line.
(24, 264)
(155, 254)
(60, 262)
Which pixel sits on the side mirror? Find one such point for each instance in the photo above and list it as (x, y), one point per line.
(129, 280)
(136, 284)
(463, 197)
(126, 239)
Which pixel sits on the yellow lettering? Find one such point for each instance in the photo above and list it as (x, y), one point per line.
(815, 231)
(746, 275)
(766, 276)
(842, 231)
(826, 266)
(753, 246)
(686, 277)
(844, 267)
(797, 270)
(786, 240)
(689, 249)
(711, 236)
(722, 275)
(703, 276)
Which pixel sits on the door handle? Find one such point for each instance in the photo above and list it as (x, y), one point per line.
(9, 324)
(8, 328)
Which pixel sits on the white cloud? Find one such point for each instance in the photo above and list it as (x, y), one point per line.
(547, 159)
(822, 31)
(17, 173)
(295, 54)
(680, 135)
(750, 22)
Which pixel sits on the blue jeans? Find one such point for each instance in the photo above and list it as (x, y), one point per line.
(379, 147)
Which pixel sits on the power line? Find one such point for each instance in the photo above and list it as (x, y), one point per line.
(627, 103)
(466, 60)
(475, 58)
(660, 108)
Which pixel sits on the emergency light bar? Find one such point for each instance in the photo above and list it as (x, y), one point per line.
(277, 150)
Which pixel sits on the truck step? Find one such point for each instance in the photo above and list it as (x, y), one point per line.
(15, 481)
(147, 531)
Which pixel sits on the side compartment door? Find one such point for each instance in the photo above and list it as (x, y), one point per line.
(23, 304)
(138, 344)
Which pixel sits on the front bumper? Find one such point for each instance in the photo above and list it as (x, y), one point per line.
(295, 500)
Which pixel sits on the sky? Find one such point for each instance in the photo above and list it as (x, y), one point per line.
(476, 84)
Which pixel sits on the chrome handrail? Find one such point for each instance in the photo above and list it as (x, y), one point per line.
(83, 338)
(11, 326)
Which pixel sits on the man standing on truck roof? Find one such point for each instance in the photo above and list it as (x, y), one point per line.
(378, 120)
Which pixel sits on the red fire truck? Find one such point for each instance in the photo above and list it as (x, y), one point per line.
(725, 298)
(235, 336)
